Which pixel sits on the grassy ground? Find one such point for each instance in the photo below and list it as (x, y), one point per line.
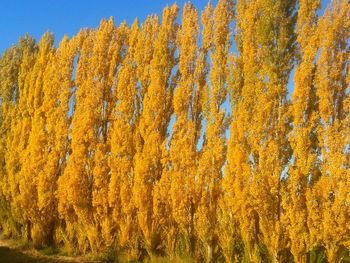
(11, 252)
(14, 251)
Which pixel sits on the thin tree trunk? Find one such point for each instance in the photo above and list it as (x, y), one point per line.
(209, 253)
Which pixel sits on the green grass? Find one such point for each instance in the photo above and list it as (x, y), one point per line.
(49, 251)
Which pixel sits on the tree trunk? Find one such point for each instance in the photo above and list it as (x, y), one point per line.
(332, 253)
(301, 258)
(228, 256)
(275, 257)
(29, 231)
(209, 253)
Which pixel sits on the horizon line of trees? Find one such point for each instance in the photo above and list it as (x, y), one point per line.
(116, 139)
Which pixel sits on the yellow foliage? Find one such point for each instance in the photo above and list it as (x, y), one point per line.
(163, 138)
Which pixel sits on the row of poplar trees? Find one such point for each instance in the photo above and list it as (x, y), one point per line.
(122, 138)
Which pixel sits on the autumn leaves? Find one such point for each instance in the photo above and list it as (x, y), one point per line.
(116, 138)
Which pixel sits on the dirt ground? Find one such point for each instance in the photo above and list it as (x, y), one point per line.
(10, 253)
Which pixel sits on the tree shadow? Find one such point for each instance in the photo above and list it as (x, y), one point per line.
(8, 255)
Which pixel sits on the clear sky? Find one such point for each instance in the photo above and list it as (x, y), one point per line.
(68, 16)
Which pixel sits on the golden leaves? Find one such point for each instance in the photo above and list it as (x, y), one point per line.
(117, 137)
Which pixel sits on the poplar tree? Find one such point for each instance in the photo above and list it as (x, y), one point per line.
(9, 68)
(329, 209)
(74, 186)
(122, 139)
(270, 147)
(18, 135)
(109, 52)
(239, 169)
(214, 149)
(33, 155)
(182, 153)
(228, 223)
(57, 89)
(153, 124)
(85, 194)
(67, 232)
(258, 148)
(303, 139)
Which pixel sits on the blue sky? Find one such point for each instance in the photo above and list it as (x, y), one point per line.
(68, 16)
